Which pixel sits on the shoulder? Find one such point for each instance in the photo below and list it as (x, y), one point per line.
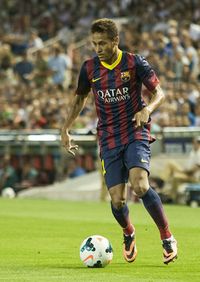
(132, 55)
(89, 65)
(91, 61)
(136, 59)
(128, 55)
(142, 63)
(129, 58)
(140, 60)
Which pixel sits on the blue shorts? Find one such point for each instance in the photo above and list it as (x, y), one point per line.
(117, 162)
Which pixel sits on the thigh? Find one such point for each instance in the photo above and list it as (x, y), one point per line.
(138, 154)
(113, 167)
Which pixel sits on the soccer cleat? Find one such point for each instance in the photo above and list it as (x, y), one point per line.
(129, 248)
(169, 250)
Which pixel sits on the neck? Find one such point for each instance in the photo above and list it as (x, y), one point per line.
(114, 57)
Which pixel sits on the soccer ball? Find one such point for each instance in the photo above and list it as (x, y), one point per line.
(96, 251)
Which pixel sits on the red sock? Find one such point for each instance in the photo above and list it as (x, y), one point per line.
(129, 230)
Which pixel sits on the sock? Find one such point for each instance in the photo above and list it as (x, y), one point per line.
(122, 217)
(154, 206)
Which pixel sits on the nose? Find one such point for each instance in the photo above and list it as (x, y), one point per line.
(98, 49)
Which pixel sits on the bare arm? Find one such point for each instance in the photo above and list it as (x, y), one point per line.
(74, 109)
(157, 98)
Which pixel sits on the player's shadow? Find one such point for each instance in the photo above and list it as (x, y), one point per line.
(112, 265)
(62, 266)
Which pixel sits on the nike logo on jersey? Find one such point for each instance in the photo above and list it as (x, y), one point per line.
(96, 79)
(144, 161)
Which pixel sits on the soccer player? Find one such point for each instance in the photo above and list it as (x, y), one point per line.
(116, 79)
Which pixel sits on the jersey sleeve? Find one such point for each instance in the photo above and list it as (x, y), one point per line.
(84, 86)
(146, 73)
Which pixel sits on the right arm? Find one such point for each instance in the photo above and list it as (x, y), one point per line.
(74, 109)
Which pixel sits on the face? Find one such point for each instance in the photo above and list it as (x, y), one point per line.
(105, 47)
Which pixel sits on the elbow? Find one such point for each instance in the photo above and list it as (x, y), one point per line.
(159, 95)
(162, 98)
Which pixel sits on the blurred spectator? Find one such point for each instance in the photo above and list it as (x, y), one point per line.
(41, 71)
(174, 174)
(197, 115)
(74, 169)
(6, 58)
(35, 41)
(156, 30)
(193, 58)
(8, 175)
(49, 168)
(185, 112)
(58, 63)
(24, 68)
(29, 176)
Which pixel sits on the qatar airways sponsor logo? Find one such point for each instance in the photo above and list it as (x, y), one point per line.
(114, 95)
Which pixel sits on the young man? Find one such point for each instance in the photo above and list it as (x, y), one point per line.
(116, 78)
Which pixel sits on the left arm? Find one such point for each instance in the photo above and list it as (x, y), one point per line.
(157, 98)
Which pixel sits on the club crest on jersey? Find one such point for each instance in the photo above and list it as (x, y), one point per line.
(125, 76)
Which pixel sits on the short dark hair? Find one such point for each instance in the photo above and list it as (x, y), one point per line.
(105, 25)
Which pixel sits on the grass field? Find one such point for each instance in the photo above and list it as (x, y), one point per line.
(40, 239)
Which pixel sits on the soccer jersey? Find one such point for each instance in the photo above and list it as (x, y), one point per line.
(117, 92)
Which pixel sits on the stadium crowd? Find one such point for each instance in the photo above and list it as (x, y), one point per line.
(43, 43)
(40, 57)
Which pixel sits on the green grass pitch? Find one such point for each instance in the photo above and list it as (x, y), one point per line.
(40, 240)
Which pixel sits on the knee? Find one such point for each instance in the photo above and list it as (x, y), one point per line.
(139, 181)
(118, 203)
(140, 186)
(140, 191)
(118, 196)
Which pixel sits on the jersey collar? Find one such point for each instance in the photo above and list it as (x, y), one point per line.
(113, 65)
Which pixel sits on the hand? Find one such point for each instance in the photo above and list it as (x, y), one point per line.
(141, 117)
(66, 142)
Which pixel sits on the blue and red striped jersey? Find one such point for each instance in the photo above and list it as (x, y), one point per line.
(117, 92)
